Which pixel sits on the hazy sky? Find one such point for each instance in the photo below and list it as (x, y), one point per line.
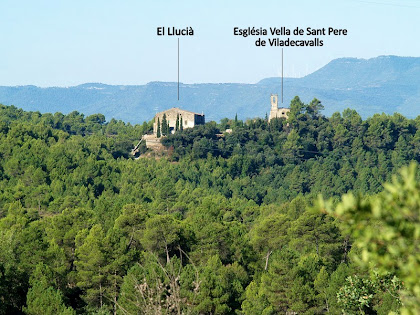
(64, 43)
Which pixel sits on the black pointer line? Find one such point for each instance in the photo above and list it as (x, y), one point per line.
(282, 76)
(178, 68)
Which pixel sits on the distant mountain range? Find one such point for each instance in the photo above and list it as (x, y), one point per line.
(384, 84)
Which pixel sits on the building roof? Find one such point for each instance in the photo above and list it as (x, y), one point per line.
(180, 110)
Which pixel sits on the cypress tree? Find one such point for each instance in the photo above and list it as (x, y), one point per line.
(164, 125)
(158, 128)
(177, 122)
(181, 125)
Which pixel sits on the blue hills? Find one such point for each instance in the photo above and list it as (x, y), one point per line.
(384, 84)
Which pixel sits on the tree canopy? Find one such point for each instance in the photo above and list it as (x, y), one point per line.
(220, 223)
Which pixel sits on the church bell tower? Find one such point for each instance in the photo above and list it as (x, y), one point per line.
(274, 101)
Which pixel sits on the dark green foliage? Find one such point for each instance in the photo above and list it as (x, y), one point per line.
(164, 128)
(386, 231)
(42, 298)
(222, 225)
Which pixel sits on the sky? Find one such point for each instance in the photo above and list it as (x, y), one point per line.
(66, 43)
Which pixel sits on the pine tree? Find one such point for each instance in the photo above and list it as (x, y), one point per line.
(292, 146)
(118, 263)
(46, 300)
(91, 265)
(42, 297)
(162, 235)
(296, 109)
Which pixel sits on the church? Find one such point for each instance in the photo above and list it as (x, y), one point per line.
(275, 111)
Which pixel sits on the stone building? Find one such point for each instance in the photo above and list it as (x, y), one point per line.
(189, 119)
(275, 111)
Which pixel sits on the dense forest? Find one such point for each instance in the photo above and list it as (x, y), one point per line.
(286, 217)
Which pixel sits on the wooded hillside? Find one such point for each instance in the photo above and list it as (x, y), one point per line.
(218, 225)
